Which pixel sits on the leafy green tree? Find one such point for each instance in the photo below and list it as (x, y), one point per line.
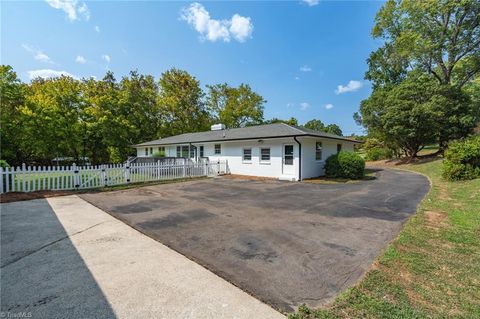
(316, 125)
(50, 119)
(235, 107)
(292, 121)
(181, 103)
(440, 37)
(104, 125)
(139, 108)
(333, 129)
(405, 116)
(12, 96)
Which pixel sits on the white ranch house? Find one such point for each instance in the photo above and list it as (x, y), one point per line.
(273, 150)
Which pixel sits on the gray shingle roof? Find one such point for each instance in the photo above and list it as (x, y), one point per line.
(245, 133)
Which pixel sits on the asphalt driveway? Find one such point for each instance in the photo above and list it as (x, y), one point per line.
(285, 243)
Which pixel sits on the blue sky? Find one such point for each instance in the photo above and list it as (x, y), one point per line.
(307, 59)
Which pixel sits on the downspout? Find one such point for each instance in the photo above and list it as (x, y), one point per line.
(299, 158)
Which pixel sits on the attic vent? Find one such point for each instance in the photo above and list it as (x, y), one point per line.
(217, 127)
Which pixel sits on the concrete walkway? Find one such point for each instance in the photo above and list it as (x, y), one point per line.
(62, 257)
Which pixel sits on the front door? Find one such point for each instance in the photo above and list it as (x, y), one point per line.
(288, 168)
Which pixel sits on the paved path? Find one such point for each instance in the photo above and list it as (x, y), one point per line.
(64, 258)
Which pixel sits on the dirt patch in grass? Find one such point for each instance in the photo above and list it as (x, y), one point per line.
(436, 220)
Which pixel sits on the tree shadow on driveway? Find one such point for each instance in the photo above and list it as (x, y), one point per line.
(42, 272)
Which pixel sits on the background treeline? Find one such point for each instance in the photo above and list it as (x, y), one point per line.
(100, 119)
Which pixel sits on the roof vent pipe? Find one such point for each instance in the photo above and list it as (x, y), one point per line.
(217, 127)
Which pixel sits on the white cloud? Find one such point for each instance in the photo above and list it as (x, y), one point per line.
(83, 10)
(297, 78)
(238, 27)
(305, 68)
(40, 56)
(290, 104)
(48, 73)
(80, 59)
(304, 106)
(97, 29)
(352, 86)
(73, 8)
(37, 54)
(106, 57)
(311, 3)
(241, 28)
(329, 106)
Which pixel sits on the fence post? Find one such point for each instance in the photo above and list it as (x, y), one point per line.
(24, 181)
(104, 176)
(184, 164)
(1, 179)
(127, 172)
(76, 181)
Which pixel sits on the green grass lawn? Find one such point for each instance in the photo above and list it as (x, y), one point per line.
(432, 269)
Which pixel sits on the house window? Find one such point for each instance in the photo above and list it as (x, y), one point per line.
(247, 154)
(146, 151)
(265, 154)
(201, 151)
(161, 151)
(179, 149)
(151, 150)
(185, 151)
(318, 151)
(339, 147)
(218, 148)
(192, 152)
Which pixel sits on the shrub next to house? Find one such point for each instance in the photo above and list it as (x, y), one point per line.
(462, 160)
(345, 165)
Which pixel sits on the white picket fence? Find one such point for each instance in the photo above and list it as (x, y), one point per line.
(29, 179)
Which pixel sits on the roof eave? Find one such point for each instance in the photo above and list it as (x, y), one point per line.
(251, 138)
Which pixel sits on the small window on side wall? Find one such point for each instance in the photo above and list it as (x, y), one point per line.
(265, 154)
(247, 154)
(218, 149)
(179, 153)
(201, 151)
(339, 148)
(146, 151)
(318, 151)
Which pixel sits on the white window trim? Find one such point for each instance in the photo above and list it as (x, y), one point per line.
(181, 150)
(266, 162)
(215, 149)
(244, 161)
